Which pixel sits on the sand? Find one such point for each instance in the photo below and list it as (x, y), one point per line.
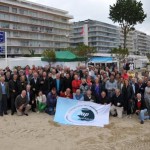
(39, 132)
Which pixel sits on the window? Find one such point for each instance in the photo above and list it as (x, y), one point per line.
(14, 10)
(4, 8)
(34, 28)
(16, 34)
(4, 25)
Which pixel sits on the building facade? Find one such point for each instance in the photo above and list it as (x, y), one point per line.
(97, 34)
(32, 26)
(105, 37)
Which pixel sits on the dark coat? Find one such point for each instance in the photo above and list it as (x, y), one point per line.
(44, 85)
(97, 96)
(35, 87)
(117, 99)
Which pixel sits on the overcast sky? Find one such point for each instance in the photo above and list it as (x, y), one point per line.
(94, 9)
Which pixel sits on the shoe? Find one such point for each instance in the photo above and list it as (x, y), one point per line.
(1, 115)
(130, 117)
(6, 113)
(26, 114)
(142, 122)
(12, 113)
(33, 110)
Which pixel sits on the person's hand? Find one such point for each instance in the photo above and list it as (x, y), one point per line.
(32, 102)
(21, 107)
(137, 111)
(14, 91)
(33, 89)
(118, 104)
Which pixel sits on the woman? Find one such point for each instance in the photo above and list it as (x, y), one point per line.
(51, 101)
(78, 96)
(128, 95)
(84, 86)
(96, 89)
(41, 102)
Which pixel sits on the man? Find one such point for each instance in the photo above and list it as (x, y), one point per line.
(14, 89)
(110, 86)
(67, 82)
(135, 86)
(21, 104)
(35, 84)
(44, 84)
(141, 109)
(117, 104)
(31, 98)
(58, 84)
(147, 97)
(4, 94)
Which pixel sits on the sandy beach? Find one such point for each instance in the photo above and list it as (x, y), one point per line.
(39, 132)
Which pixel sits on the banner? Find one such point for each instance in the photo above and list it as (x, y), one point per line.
(73, 112)
(2, 42)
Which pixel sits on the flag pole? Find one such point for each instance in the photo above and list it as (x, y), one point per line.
(6, 49)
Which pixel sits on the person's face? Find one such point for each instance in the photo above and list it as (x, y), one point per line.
(53, 91)
(103, 94)
(138, 96)
(89, 92)
(111, 77)
(117, 92)
(126, 82)
(28, 88)
(78, 92)
(44, 74)
(76, 77)
(15, 77)
(40, 93)
(24, 93)
(2, 79)
(148, 83)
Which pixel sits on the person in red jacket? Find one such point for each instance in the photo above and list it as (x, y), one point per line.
(66, 94)
(75, 83)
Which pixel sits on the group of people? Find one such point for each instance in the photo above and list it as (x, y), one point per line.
(37, 89)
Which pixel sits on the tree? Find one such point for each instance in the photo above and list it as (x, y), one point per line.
(32, 52)
(49, 55)
(84, 51)
(120, 54)
(127, 13)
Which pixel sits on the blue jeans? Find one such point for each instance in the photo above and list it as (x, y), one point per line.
(142, 116)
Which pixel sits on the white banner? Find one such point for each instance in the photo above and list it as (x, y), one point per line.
(73, 112)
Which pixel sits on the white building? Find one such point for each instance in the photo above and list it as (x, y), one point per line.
(32, 26)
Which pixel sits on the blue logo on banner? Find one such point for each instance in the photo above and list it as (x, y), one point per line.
(79, 114)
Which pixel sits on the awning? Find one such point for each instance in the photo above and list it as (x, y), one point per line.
(102, 60)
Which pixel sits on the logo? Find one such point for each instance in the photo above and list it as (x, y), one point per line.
(81, 115)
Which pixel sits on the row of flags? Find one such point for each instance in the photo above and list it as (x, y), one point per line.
(2, 42)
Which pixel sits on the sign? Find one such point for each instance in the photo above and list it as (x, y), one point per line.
(73, 112)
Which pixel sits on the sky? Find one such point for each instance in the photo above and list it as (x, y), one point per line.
(95, 10)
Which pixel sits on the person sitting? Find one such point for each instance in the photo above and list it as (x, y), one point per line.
(117, 104)
(21, 103)
(88, 96)
(41, 101)
(104, 99)
(51, 102)
(66, 94)
(141, 109)
(78, 96)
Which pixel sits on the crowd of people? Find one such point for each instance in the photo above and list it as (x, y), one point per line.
(37, 89)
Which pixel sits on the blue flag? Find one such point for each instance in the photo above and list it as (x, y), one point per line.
(2, 37)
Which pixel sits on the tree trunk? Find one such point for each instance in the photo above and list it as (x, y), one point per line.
(125, 38)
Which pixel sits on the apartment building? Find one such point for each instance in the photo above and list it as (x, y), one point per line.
(31, 26)
(102, 36)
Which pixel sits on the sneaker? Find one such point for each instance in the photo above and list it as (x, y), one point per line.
(142, 122)
(26, 114)
(130, 116)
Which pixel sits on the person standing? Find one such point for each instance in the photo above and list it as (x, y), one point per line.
(14, 89)
(4, 94)
(35, 84)
(128, 96)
